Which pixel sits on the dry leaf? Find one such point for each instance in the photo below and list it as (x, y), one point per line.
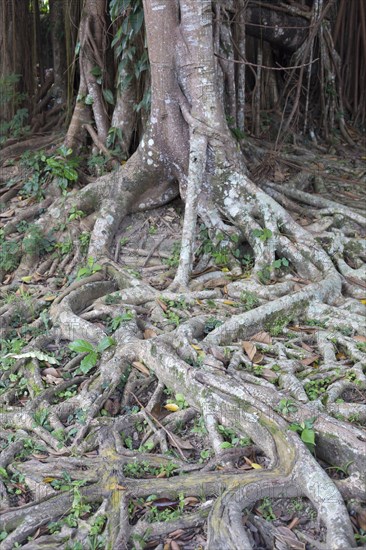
(141, 367)
(163, 306)
(174, 545)
(254, 465)
(53, 379)
(306, 347)
(49, 298)
(359, 338)
(229, 303)
(149, 333)
(214, 283)
(262, 337)
(269, 375)
(250, 349)
(51, 371)
(191, 501)
(8, 213)
(309, 360)
(177, 441)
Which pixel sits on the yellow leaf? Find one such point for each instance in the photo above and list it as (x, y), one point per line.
(363, 301)
(225, 269)
(229, 303)
(196, 347)
(49, 298)
(256, 466)
(172, 407)
(48, 479)
(27, 279)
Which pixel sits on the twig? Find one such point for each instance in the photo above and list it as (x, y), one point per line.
(169, 434)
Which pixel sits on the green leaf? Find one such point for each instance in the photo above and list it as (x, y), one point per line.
(3, 473)
(308, 436)
(70, 173)
(226, 445)
(36, 354)
(81, 346)
(277, 264)
(105, 343)
(89, 100)
(108, 96)
(96, 71)
(285, 262)
(89, 362)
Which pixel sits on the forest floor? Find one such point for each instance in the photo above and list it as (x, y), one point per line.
(61, 421)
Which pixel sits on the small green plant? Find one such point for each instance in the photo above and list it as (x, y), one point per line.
(88, 270)
(93, 353)
(64, 246)
(231, 438)
(263, 234)
(211, 324)
(343, 468)
(153, 230)
(264, 274)
(266, 510)
(361, 346)
(306, 432)
(168, 514)
(317, 388)
(286, 406)
(43, 168)
(75, 214)
(178, 400)
(37, 243)
(249, 300)
(361, 536)
(113, 298)
(117, 321)
(10, 254)
(173, 260)
(84, 239)
(17, 126)
(205, 455)
(144, 469)
(275, 327)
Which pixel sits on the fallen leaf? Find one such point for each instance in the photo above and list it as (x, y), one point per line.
(262, 337)
(216, 283)
(51, 371)
(197, 348)
(250, 349)
(359, 338)
(141, 367)
(177, 441)
(174, 545)
(149, 333)
(53, 379)
(49, 298)
(306, 347)
(309, 360)
(191, 501)
(163, 306)
(172, 407)
(254, 465)
(285, 535)
(229, 303)
(269, 375)
(8, 213)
